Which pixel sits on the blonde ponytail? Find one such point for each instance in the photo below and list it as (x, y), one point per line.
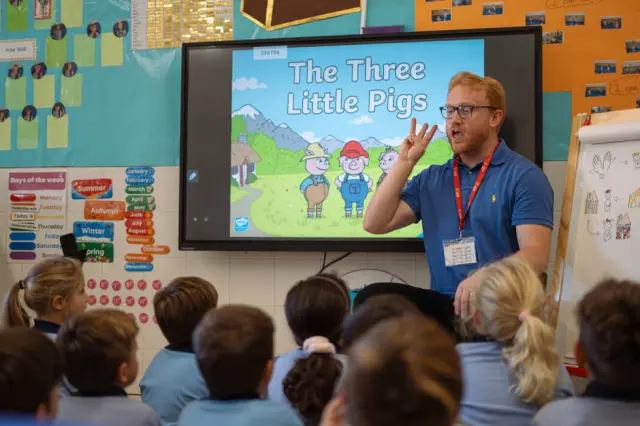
(14, 313)
(510, 303)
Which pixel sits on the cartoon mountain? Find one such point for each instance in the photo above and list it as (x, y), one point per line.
(331, 143)
(282, 134)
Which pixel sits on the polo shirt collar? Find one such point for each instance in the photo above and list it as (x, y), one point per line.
(184, 347)
(114, 391)
(499, 157)
(597, 389)
(46, 326)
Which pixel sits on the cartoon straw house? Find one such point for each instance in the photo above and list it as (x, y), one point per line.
(243, 163)
(634, 199)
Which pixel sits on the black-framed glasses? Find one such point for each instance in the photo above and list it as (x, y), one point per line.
(464, 111)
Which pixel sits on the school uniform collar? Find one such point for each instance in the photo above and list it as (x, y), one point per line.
(499, 157)
(597, 389)
(46, 326)
(239, 397)
(114, 391)
(184, 347)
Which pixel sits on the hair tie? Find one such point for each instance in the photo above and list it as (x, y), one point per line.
(22, 285)
(318, 345)
(523, 315)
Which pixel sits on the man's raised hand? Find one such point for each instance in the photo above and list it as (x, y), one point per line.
(414, 145)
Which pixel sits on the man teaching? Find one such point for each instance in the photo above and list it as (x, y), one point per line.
(484, 204)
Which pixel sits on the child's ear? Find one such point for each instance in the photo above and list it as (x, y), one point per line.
(266, 378)
(123, 374)
(58, 303)
(581, 358)
(50, 410)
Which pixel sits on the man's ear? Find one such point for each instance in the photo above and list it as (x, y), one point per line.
(58, 303)
(497, 117)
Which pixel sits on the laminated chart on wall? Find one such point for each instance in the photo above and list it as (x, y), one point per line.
(119, 107)
(139, 225)
(591, 48)
(37, 215)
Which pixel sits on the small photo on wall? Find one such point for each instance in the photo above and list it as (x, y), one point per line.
(605, 67)
(94, 29)
(15, 72)
(611, 22)
(553, 37)
(535, 18)
(69, 69)
(631, 67)
(42, 9)
(4, 115)
(490, 9)
(574, 19)
(58, 110)
(441, 15)
(599, 109)
(38, 70)
(121, 28)
(29, 113)
(15, 3)
(632, 46)
(58, 31)
(637, 102)
(595, 90)
(462, 2)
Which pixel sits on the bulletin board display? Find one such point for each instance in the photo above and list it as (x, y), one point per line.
(74, 92)
(592, 47)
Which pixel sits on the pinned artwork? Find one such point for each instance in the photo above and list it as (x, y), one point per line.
(634, 199)
(591, 205)
(623, 227)
(600, 166)
(607, 200)
(608, 226)
(636, 159)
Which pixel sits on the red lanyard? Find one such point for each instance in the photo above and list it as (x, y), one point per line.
(462, 216)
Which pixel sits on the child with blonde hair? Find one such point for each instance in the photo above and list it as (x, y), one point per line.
(53, 289)
(516, 370)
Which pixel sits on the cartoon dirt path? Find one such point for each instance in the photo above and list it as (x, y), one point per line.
(240, 208)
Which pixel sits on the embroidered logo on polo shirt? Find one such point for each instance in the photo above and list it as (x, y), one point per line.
(493, 198)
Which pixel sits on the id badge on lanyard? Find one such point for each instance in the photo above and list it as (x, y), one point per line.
(462, 251)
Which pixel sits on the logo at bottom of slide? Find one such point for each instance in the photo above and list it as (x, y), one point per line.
(242, 224)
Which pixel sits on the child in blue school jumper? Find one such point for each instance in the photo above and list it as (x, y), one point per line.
(516, 370)
(30, 370)
(234, 349)
(100, 354)
(173, 379)
(609, 347)
(53, 289)
(314, 308)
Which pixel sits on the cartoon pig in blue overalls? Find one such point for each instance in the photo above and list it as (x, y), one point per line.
(354, 185)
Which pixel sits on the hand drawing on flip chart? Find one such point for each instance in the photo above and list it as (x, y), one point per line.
(591, 204)
(601, 165)
(636, 159)
(608, 225)
(607, 200)
(623, 227)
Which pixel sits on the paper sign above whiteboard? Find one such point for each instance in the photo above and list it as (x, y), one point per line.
(18, 50)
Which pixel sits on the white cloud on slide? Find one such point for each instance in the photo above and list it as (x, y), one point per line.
(244, 83)
(310, 137)
(392, 141)
(363, 119)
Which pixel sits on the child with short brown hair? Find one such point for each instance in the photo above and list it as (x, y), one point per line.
(173, 379)
(100, 353)
(609, 347)
(30, 370)
(234, 349)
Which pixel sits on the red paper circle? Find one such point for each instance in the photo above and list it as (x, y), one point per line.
(92, 300)
(130, 301)
(128, 284)
(104, 299)
(142, 284)
(155, 320)
(91, 284)
(157, 284)
(130, 315)
(116, 285)
(143, 318)
(104, 284)
(117, 300)
(142, 301)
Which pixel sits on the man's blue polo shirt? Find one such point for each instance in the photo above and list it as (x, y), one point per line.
(514, 192)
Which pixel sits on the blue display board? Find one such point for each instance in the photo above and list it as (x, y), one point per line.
(94, 102)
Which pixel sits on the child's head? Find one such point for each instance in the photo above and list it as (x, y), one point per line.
(99, 350)
(609, 343)
(375, 310)
(509, 304)
(53, 289)
(180, 306)
(317, 306)
(404, 371)
(30, 371)
(234, 350)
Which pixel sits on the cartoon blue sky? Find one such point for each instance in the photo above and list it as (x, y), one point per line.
(265, 85)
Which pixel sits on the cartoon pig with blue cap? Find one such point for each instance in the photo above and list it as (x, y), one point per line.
(354, 185)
